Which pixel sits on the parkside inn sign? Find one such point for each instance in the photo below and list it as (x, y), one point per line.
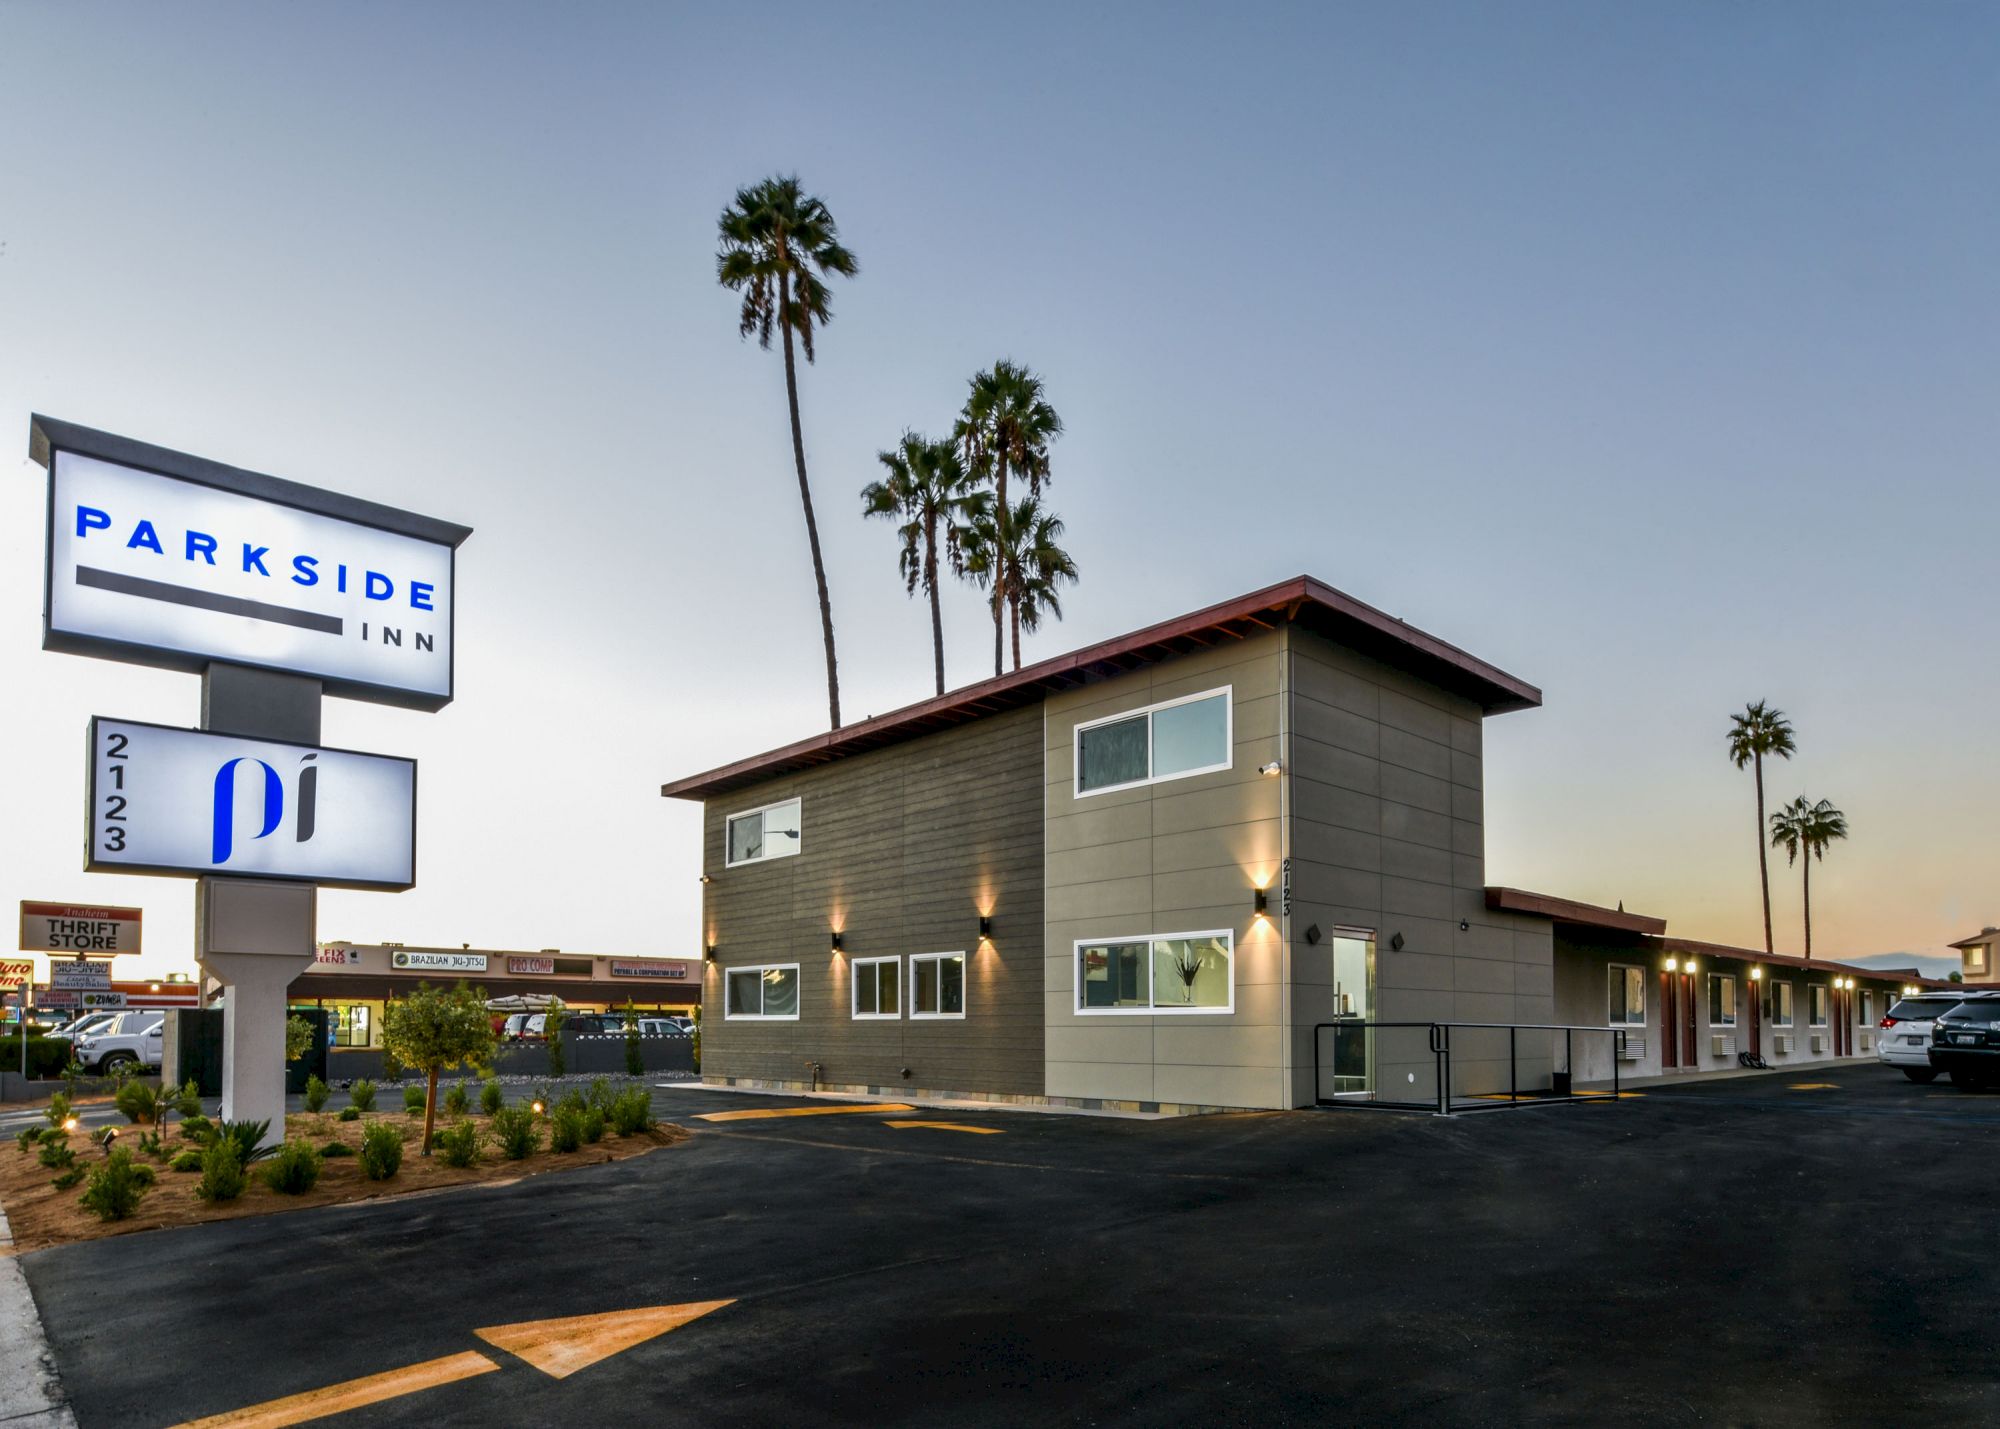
(166, 559)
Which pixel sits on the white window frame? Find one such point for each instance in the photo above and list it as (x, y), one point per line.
(1228, 693)
(1618, 971)
(964, 988)
(729, 1012)
(1864, 1007)
(767, 855)
(1825, 1001)
(1735, 1007)
(1783, 1012)
(854, 990)
(1153, 1007)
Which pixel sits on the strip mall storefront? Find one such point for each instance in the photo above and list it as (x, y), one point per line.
(354, 981)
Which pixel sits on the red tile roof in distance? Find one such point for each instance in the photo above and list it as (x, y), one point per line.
(1302, 600)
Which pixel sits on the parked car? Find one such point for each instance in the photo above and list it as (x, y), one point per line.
(661, 1027)
(1905, 1041)
(130, 1039)
(516, 1027)
(1965, 1043)
(82, 1023)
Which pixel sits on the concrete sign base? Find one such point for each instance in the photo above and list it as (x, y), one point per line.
(255, 938)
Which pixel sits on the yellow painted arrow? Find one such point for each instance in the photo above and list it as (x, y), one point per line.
(559, 1348)
(946, 1126)
(349, 1394)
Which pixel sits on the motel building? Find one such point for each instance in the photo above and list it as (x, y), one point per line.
(1979, 958)
(353, 982)
(1236, 859)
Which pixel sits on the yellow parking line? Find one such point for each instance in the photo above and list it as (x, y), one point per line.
(1813, 1087)
(760, 1114)
(349, 1394)
(948, 1126)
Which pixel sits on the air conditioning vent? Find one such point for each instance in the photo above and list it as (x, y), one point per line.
(1632, 1047)
(1868, 1041)
(1781, 1041)
(1722, 1044)
(1819, 1041)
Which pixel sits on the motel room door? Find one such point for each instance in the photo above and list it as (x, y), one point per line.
(1353, 999)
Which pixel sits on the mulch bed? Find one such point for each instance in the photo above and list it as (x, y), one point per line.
(41, 1216)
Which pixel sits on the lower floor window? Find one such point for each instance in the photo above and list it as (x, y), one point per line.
(1721, 1000)
(1781, 1004)
(1816, 1006)
(877, 985)
(1183, 972)
(937, 985)
(771, 991)
(1627, 1000)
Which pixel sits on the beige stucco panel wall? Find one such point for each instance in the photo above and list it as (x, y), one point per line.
(1184, 855)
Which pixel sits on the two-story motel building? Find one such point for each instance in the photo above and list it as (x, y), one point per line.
(1144, 873)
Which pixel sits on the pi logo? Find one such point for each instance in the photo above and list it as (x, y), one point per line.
(273, 802)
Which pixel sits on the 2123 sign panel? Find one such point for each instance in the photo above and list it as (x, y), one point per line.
(190, 803)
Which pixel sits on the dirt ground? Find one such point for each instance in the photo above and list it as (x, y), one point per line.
(41, 1216)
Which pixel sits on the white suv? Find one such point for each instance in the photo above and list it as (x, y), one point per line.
(1905, 1039)
(130, 1039)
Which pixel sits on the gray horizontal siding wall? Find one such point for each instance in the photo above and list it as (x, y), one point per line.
(901, 849)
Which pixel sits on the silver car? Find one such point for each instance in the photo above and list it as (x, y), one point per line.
(1904, 1039)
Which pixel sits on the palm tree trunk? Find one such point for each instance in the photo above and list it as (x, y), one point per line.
(1808, 905)
(931, 583)
(1763, 857)
(805, 497)
(1014, 613)
(1002, 576)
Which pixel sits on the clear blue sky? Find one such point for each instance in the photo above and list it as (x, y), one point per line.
(1647, 351)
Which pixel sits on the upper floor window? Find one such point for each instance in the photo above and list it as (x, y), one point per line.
(1171, 740)
(1627, 997)
(758, 834)
(1721, 1000)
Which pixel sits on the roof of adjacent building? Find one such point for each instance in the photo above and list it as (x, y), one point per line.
(1302, 600)
(1568, 910)
(1978, 939)
(1785, 960)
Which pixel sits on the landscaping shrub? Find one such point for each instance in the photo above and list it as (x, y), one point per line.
(413, 1100)
(58, 1111)
(69, 1178)
(458, 1144)
(294, 1169)
(316, 1094)
(514, 1128)
(248, 1137)
(593, 1126)
(222, 1177)
(566, 1129)
(28, 1137)
(601, 1094)
(188, 1160)
(632, 1112)
(552, 1025)
(492, 1096)
(46, 1055)
(362, 1095)
(349, 1113)
(381, 1151)
(456, 1100)
(336, 1149)
(138, 1102)
(571, 1100)
(56, 1155)
(116, 1184)
(187, 1101)
(150, 1143)
(635, 1058)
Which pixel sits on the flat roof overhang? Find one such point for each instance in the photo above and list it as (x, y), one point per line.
(1683, 947)
(373, 987)
(1569, 910)
(1302, 600)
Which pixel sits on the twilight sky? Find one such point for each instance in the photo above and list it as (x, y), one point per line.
(1646, 351)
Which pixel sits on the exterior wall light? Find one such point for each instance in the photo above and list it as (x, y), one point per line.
(1262, 903)
(1757, 973)
(708, 953)
(1274, 767)
(1690, 965)
(1673, 964)
(838, 942)
(985, 926)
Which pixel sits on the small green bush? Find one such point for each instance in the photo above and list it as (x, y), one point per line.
(552, 1029)
(316, 1094)
(150, 1143)
(249, 1138)
(514, 1128)
(116, 1184)
(72, 1177)
(492, 1096)
(335, 1149)
(187, 1101)
(27, 1138)
(196, 1127)
(593, 1126)
(222, 1177)
(349, 1113)
(632, 1112)
(294, 1169)
(138, 1102)
(601, 1094)
(56, 1155)
(58, 1111)
(46, 1055)
(188, 1160)
(413, 1100)
(456, 1100)
(566, 1129)
(362, 1095)
(458, 1145)
(381, 1151)
(635, 1054)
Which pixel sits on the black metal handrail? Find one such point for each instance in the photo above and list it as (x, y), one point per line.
(1440, 1051)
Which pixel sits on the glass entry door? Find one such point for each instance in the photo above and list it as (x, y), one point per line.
(1353, 999)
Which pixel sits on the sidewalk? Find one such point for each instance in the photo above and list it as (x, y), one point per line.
(31, 1393)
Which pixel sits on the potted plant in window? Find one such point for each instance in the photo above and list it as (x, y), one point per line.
(1187, 965)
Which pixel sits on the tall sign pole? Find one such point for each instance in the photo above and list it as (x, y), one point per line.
(275, 594)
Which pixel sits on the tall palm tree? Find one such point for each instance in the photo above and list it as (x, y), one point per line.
(1006, 426)
(776, 242)
(931, 492)
(1758, 731)
(1015, 556)
(1805, 830)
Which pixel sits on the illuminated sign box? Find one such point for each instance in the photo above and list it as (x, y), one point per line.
(182, 801)
(79, 928)
(161, 558)
(623, 967)
(439, 962)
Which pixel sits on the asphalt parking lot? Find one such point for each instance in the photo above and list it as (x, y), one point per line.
(1803, 1247)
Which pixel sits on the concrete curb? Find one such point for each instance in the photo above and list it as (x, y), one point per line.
(31, 1393)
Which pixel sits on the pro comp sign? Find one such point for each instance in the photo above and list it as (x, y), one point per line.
(164, 558)
(182, 801)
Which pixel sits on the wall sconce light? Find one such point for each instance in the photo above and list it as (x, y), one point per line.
(1274, 767)
(708, 953)
(1757, 973)
(1465, 925)
(1312, 934)
(1396, 942)
(1262, 902)
(985, 926)
(706, 879)
(1689, 966)
(838, 942)
(1673, 964)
